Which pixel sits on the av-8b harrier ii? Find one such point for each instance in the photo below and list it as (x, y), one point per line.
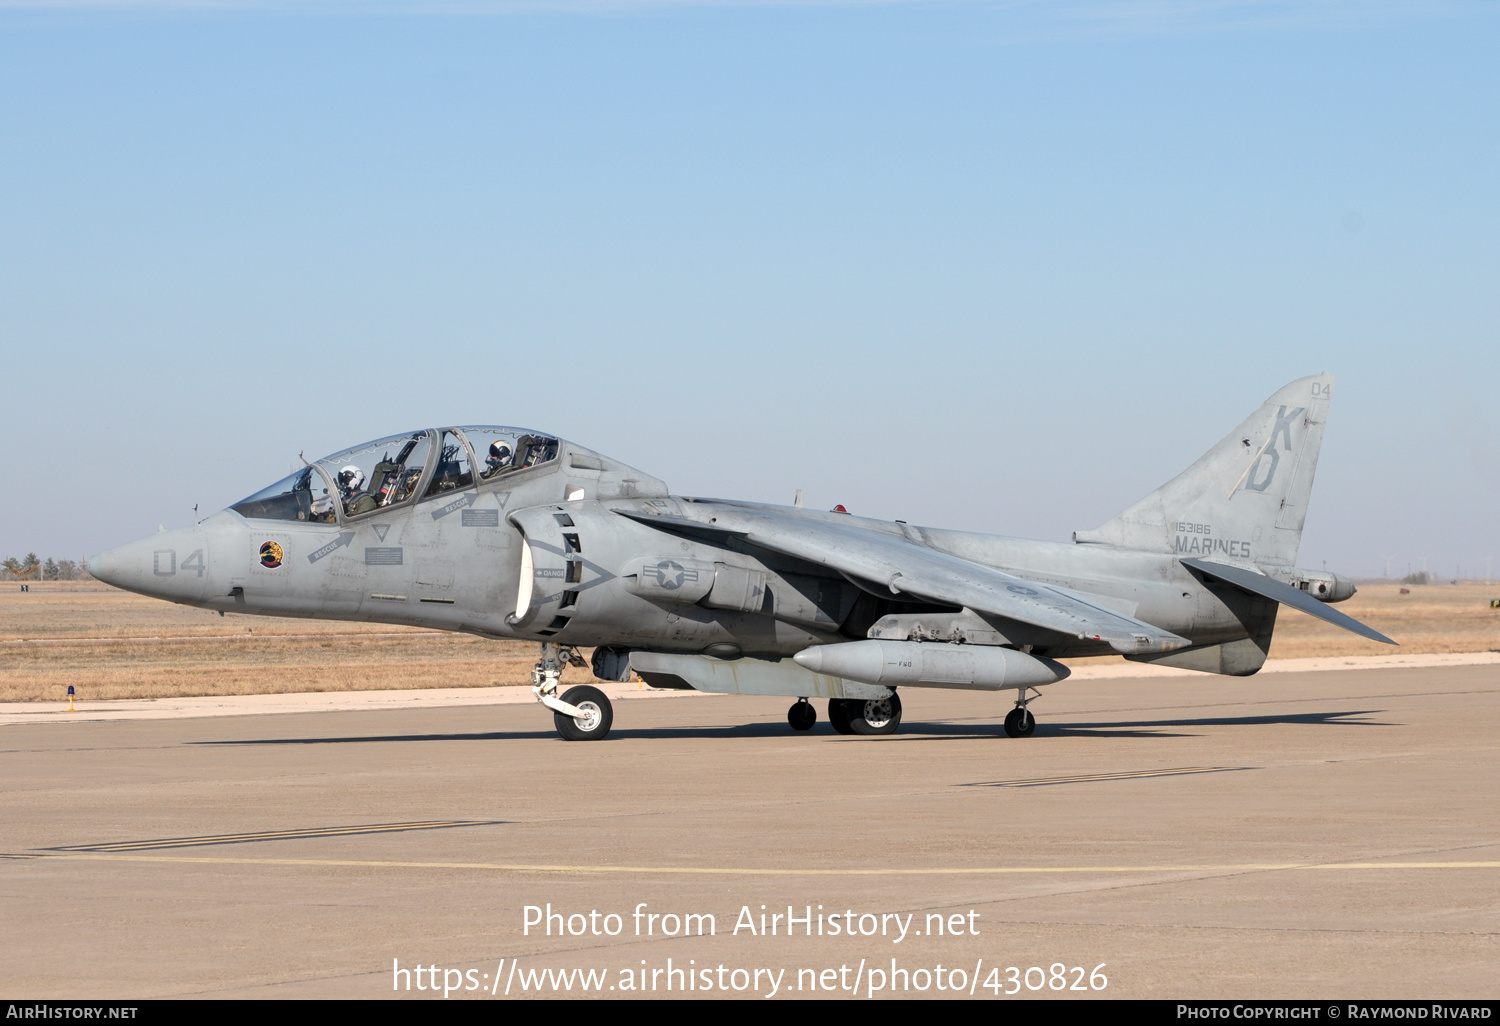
(513, 534)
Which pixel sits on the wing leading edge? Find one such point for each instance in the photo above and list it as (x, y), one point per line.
(905, 567)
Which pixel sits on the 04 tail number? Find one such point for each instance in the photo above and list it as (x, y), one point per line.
(1037, 978)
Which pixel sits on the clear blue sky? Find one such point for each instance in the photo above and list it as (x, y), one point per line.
(996, 266)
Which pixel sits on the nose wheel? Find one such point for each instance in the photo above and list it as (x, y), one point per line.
(802, 715)
(582, 713)
(594, 717)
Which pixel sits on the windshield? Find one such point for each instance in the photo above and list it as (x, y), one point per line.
(301, 495)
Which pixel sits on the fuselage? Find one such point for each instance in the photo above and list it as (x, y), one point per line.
(537, 549)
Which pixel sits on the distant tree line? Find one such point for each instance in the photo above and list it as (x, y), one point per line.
(31, 568)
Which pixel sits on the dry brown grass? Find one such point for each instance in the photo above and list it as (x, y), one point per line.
(112, 644)
(1433, 618)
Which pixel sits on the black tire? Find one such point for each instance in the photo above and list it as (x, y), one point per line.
(838, 715)
(876, 716)
(802, 716)
(588, 699)
(1019, 723)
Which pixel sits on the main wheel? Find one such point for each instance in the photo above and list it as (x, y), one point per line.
(876, 716)
(1019, 723)
(802, 716)
(597, 717)
(838, 715)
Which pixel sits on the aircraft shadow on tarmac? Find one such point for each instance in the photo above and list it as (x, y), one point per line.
(914, 731)
(768, 729)
(1153, 728)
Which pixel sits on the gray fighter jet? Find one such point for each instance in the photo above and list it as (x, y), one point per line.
(507, 533)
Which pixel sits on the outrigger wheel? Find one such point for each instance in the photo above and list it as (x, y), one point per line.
(597, 716)
(1019, 722)
(802, 716)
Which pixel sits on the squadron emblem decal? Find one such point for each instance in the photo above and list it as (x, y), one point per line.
(270, 555)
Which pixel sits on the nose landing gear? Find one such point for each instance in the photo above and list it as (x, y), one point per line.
(1019, 722)
(593, 719)
(582, 713)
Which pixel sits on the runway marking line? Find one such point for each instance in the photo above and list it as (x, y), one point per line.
(1085, 778)
(521, 867)
(271, 835)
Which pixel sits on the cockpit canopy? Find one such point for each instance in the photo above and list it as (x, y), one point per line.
(394, 471)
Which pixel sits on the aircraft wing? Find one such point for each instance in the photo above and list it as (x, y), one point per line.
(1279, 591)
(910, 568)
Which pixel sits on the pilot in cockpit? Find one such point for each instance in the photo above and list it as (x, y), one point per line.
(498, 459)
(350, 480)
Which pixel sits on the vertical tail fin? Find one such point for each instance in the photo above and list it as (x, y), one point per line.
(1246, 498)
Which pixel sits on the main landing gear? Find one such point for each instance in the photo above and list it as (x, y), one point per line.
(865, 716)
(582, 713)
(1019, 722)
(850, 715)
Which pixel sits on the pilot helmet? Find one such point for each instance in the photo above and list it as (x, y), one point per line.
(499, 452)
(350, 478)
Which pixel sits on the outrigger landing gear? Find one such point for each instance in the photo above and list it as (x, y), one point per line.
(582, 713)
(1019, 722)
(802, 716)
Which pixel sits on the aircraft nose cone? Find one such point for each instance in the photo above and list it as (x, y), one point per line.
(168, 565)
(105, 566)
(128, 566)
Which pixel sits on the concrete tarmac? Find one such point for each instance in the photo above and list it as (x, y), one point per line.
(1306, 835)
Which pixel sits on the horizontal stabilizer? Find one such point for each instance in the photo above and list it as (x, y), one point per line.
(1277, 591)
